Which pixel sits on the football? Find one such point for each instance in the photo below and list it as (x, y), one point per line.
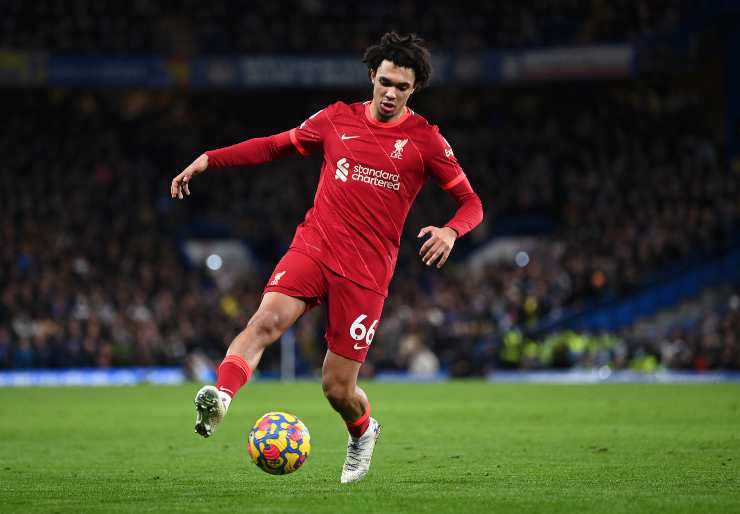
(279, 443)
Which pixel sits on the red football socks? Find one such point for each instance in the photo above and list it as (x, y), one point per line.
(233, 373)
(358, 427)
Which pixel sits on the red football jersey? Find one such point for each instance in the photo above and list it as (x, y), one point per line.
(370, 176)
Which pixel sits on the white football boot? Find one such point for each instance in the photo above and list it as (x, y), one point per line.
(211, 405)
(360, 453)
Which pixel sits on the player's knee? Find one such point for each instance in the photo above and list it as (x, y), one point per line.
(336, 391)
(267, 324)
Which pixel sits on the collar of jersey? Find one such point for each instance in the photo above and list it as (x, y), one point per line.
(380, 124)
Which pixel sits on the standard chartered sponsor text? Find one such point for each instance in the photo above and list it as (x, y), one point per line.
(375, 177)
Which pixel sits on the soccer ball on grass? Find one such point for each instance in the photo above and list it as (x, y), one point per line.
(279, 443)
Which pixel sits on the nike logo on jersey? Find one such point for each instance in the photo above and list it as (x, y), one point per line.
(357, 347)
(345, 137)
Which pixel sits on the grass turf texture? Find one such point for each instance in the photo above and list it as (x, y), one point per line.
(453, 447)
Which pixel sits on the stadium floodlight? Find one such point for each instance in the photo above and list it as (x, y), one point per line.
(214, 262)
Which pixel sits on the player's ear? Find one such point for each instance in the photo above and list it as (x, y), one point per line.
(371, 74)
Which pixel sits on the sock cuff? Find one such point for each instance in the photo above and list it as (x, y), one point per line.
(361, 419)
(239, 362)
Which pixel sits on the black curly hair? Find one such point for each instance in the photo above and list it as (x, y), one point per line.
(407, 51)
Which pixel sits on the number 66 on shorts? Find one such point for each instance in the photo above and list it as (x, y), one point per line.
(360, 333)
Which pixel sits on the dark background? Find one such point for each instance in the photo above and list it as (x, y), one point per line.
(628, 185)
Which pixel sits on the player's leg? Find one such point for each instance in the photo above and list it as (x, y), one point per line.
(339, 381)
(296, 285)
(276, 313)
(353, 316)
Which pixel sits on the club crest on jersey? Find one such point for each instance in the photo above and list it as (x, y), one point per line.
(399, 146)
(277, 278)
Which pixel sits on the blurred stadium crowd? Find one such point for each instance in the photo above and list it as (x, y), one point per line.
(623, 179)
(184, 28)
(92, 275)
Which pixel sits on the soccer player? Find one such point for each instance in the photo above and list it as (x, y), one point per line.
(377, 155)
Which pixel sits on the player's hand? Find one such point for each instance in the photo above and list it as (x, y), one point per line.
(438, 246)
(180, 184)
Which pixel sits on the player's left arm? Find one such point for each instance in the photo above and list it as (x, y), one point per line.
(442, 164)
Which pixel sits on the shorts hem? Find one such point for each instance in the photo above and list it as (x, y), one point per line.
(311, 301)
(344, 354)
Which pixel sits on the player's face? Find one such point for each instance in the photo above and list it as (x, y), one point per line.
(392, 86)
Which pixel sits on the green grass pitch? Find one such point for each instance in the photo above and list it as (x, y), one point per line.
(450, 447)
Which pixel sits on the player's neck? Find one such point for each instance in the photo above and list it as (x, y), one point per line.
(373, 113)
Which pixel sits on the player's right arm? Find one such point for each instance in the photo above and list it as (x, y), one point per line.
(303, 140)
(251, 152)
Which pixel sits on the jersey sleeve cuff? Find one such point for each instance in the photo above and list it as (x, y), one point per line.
(457, 230)
(455, 181)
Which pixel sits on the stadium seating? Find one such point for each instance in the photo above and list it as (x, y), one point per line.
(226, 27)
(112, 289)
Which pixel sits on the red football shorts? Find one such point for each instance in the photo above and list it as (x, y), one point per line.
(353, 312)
